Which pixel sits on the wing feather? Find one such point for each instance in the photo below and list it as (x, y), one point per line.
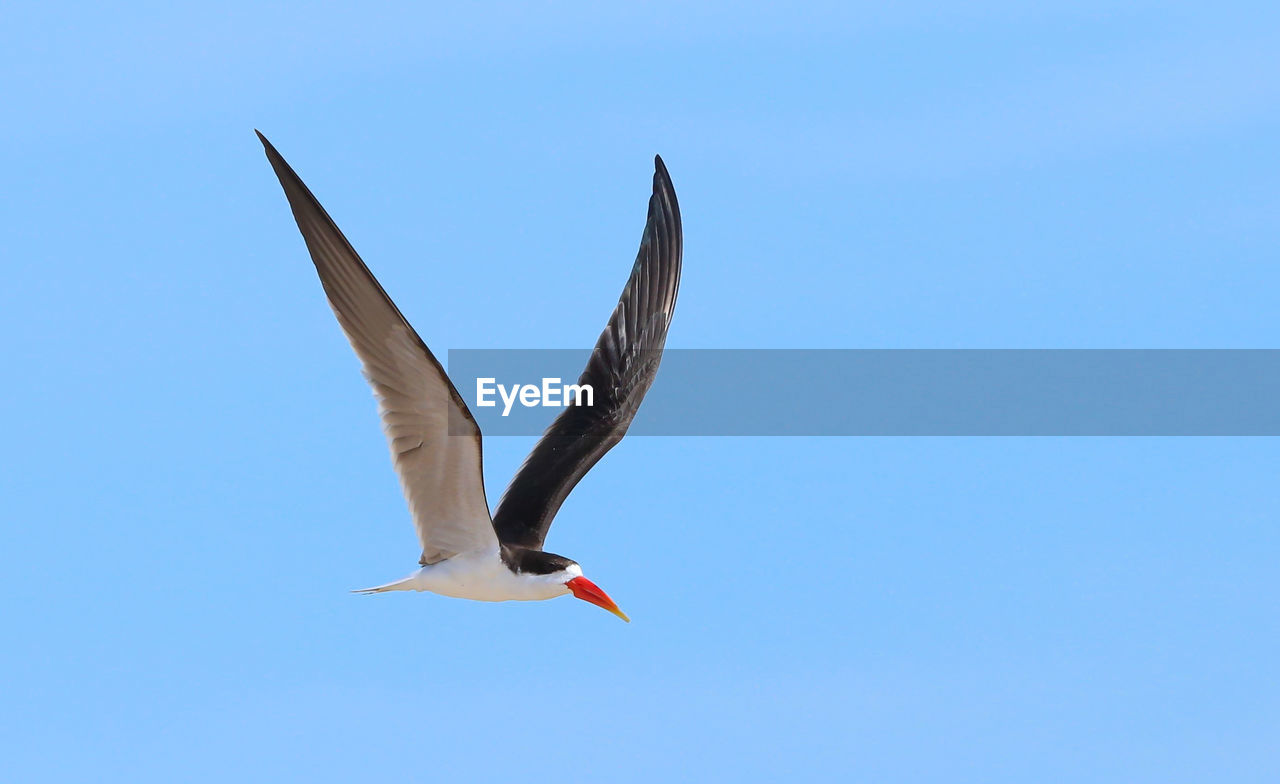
(440, 473)
(620, 371)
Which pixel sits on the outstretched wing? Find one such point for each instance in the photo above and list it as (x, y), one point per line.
(441, 474)
(621, 369)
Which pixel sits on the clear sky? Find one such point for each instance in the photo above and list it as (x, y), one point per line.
(193, 476)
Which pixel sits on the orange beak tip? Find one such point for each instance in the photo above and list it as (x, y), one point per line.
(588, 591)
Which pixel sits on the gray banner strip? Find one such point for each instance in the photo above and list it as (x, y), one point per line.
(908, 392)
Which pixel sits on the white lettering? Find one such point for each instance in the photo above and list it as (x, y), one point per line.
(484, 386)
(552, 393)
(572, 391)
(550, 387)
(529, 395)
(507, 402)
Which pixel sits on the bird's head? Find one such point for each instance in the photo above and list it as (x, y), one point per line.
(556, 569)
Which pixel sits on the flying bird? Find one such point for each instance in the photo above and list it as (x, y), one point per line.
(467, 553)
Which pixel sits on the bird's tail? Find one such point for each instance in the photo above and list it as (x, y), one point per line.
(407, 584)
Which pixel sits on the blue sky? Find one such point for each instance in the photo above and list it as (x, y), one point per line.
(193, 477)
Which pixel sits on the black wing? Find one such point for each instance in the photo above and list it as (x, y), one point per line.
(621, 369)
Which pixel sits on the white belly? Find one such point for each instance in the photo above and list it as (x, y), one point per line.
(484, 577)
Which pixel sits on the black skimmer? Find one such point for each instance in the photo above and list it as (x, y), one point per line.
(466, 553)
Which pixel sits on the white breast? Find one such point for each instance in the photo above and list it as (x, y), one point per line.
(484, 577)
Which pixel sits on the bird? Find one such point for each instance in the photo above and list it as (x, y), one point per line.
(435, 442)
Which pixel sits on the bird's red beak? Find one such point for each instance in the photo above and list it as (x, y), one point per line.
(588, 591)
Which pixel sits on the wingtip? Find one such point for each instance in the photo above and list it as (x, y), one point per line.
(282, 168)
(661, 177)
